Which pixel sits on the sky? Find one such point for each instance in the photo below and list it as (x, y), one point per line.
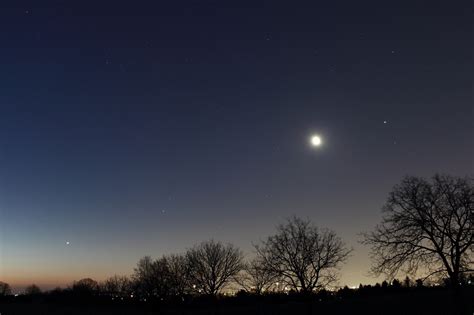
(142, 128)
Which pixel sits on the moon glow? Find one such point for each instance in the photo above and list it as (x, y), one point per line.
(316, 141)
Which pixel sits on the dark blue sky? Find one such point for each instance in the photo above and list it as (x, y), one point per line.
(134, 128)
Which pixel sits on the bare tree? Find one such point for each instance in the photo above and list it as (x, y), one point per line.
(32, 290)
(143, 277)
(152, 277)
(426, 225)
(213, 265)
(255, 277)
(179, 274)
(86, 286)
(303, 256)
(117, 286)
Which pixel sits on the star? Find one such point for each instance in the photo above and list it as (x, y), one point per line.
(385, 122)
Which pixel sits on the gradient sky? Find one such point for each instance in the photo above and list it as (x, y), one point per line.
(141, 128)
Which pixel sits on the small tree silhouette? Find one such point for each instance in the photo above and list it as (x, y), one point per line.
(32, 290)
(116, 286)
(5, 289)
(86, 286)
(396, 284)
(407, 282)
(256, 278)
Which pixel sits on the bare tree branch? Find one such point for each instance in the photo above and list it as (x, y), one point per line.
(302, 256)
(426, 224)
(213, 265)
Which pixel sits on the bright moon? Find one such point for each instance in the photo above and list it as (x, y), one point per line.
(316, 141)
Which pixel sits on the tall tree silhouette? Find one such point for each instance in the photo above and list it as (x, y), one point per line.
(426, 225)
(212, 265)
(302, 255)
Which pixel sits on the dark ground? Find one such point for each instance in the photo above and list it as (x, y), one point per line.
(431, 302)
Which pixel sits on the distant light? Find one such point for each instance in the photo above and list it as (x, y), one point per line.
(384, 121)
(67, 243)
(316, 141)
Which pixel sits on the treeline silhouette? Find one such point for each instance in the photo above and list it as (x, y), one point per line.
(396, 297)
(426, 226)
(299, 258)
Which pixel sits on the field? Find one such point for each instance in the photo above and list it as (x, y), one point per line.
(427, 302)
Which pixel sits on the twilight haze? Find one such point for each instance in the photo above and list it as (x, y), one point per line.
(144, 128)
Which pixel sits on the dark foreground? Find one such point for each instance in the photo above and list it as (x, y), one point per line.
(427, 302)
